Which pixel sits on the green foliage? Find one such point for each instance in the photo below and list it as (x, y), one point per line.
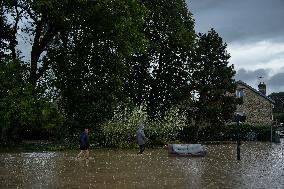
(15, 94)
(86, 44)
(120, 131)
(5, 31)
(19, 109)
(212, 80)
(245, 132)
(278, 110)
(50, 117)
(163, 131)
(228, 133)
(158, 77)
(46, 20)
(91, 58)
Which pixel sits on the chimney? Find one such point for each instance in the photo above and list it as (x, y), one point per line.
(262, 88)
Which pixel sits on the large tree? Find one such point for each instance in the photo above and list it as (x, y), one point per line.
(90, 59)
(212, 81)
(84, 42)
(78, 51)
(39, 22)
(23, 101)
(159, 76)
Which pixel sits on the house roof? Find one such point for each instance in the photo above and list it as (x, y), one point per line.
(256, 91)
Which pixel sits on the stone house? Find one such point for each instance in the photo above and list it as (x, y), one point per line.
(256, 105)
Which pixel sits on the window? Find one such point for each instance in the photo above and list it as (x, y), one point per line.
(240, 93)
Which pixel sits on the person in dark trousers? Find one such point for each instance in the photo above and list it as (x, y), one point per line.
(141, 138)
(84, 144)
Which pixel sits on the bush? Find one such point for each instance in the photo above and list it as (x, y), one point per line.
(163, 131)
(229, 133)
(120, 131)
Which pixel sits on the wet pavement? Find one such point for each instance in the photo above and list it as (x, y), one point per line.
(261, 166)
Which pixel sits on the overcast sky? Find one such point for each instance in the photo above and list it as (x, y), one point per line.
(254, 32)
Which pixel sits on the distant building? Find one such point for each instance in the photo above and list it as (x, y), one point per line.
(256, 105)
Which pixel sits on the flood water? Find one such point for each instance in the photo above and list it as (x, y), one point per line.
(261, 166)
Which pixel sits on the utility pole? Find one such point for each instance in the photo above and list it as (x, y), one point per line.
(238, 142)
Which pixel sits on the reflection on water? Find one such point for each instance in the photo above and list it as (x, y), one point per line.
(27, 170)
(261, 166)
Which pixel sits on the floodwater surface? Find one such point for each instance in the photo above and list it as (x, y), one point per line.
(261, 166)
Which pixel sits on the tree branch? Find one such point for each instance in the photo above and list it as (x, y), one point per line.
(14, 42)
(29, 12)
(35, 53)
(40, 44)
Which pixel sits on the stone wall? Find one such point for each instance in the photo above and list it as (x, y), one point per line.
(257, 108)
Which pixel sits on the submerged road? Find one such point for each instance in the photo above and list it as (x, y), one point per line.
(261, 166)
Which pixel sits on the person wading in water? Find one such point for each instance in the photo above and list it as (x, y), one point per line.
(141, 138)
(84, 144)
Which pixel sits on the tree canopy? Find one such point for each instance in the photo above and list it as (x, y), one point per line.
(88, 58)
(212, 80)
(159, 76)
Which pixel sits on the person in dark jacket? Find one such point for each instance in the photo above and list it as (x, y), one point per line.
(141, 138)
(84, 144)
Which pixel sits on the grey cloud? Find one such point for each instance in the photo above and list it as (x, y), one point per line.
(277, 80)
(202, 5)
(240, 20)
(242, 23)
(247, 75)
(275, 83)
(272, 56)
